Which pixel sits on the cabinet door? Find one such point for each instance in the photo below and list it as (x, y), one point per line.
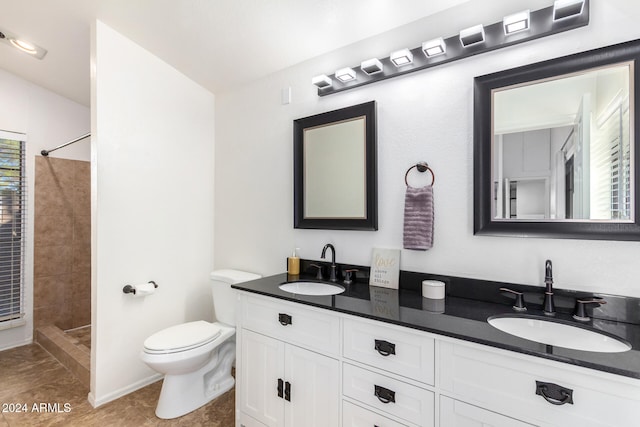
(262, 366)
(313, 383)
(458, 414)
(246, 421)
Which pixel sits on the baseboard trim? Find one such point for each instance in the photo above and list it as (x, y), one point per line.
(123, 391)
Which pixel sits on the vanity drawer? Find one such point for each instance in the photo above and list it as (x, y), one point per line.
(356, 416)
(506, 382)
(394, 349)
(293, 323)
(395, 397)
(454, 413)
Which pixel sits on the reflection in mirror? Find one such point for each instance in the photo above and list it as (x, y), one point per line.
(561, 147)
(555, 147)
(335, 169)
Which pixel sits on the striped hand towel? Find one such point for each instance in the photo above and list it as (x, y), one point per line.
(418, 218)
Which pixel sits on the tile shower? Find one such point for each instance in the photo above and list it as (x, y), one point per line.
(62, 260)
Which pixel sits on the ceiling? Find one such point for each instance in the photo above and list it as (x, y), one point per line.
(217, 43)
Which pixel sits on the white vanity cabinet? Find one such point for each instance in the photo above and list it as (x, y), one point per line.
(516, 385)
(349, 371)
(281, 384)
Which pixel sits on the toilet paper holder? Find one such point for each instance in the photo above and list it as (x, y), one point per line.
(129, 289)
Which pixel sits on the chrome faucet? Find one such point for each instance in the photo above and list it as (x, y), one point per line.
(332, 274)
(549, 306)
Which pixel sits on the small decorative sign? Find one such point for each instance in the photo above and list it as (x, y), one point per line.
(385, 268)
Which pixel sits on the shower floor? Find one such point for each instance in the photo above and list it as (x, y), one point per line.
(72, 349)
(81, 337)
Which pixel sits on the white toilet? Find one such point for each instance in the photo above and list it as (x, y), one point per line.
(196, 357)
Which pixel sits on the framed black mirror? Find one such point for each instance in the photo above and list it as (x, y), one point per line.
(334, 169)
(556, 149)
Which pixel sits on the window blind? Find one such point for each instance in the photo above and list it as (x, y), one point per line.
(611, 157)
(12, 229)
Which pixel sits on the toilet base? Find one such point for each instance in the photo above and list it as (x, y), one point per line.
(182, 394)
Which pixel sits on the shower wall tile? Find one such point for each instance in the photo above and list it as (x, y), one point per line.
(62, 243)
(51, 315)
(82, 189)
(50, 290)
(52, 260)
(81, 244)
(81, 312)
(53, 230)
(54, 186)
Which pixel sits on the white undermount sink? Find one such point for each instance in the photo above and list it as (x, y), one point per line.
(312, 288)
(559, 334)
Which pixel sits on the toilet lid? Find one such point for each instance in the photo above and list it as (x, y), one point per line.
(182, 337)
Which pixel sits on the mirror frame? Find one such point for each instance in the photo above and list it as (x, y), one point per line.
(370, 222)
(483, 138)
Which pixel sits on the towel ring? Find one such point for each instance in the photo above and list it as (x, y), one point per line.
(422, 167)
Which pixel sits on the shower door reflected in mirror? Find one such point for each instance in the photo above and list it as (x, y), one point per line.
(561, 148)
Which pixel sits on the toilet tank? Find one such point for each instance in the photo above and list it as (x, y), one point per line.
(224, 302)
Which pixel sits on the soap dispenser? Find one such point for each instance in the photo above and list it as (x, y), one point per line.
(293, 263)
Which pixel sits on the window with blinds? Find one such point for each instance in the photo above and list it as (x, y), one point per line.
(611, 157)
(12, 230)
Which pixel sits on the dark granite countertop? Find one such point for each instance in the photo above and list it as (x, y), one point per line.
(467, 306)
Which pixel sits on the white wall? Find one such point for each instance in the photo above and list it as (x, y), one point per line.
(48, 120)
(424, 116)
(152, 207)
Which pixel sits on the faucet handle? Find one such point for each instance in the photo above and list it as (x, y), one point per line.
(348, 278)
(580, 312)
(519, 304)
(319, 275)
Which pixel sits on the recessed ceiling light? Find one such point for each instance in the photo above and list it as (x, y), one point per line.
(21, 44)
(24, 46)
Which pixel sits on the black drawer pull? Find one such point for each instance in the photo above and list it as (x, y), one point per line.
(554, 394)
(287, 391)
(284, 319)
(280, 386)
(384, 395)
(385, 348)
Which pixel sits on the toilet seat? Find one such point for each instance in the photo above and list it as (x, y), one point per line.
(182, 337)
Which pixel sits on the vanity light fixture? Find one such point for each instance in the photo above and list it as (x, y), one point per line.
(513, 29)
(371, 66)
(22, 45)
(401, 57)
(345, 74)
(517, 22)
(567, 8)
(434, 47)
(472, 35)
(322, 81)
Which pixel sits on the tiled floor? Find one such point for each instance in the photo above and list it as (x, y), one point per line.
(30, 376)
(81, 337)
(68, 350)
